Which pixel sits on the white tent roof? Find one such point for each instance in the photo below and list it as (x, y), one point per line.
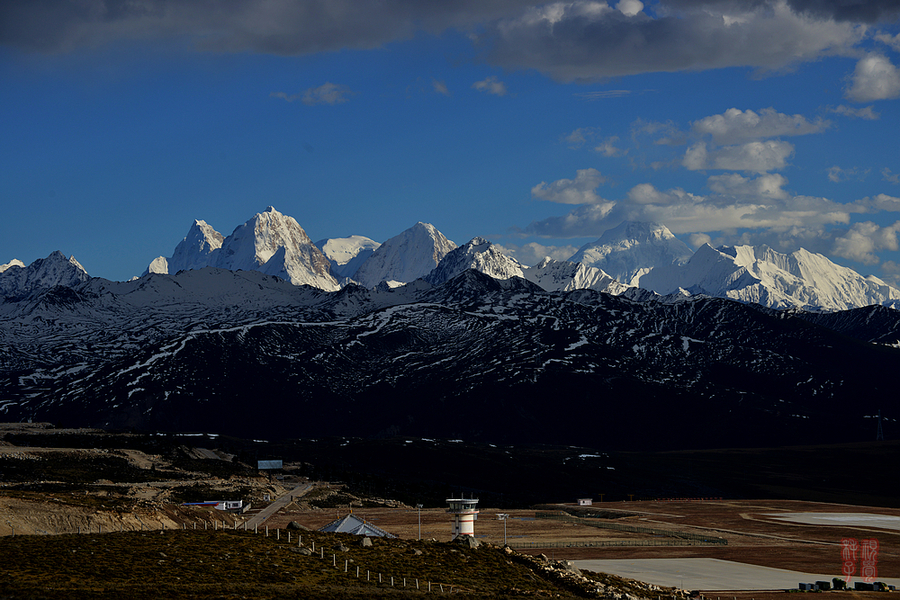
(356, 526)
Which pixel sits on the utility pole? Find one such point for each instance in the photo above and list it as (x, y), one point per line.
(419, 510)
(503, 517)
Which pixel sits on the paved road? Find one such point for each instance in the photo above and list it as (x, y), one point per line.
(260, 518)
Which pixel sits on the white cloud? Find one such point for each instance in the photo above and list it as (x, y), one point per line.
(892, 41)
(587, 220)
(490, 85)
(837, 174)
(580, 136)
(532, 253)
(737, 203)
(735, 125)
(602, 95)
(608, 147)
(888, 176)
(580, 190)
(863, 240)
(327, 93)
(770, 186)
(881, 202)
(630, 8)
(698, 239)
(756, 157)
(857, 113)
(891, 272)
(588, 41)
(440, 87)
(874, 78)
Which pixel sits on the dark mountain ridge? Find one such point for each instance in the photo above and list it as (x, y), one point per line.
(474, 358)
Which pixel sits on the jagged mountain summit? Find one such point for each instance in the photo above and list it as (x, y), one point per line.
(193, 252)
(13, 263)
(631, 249)
(564, 276)
(405, 257)
(347, 254)
(17, 280)
(763, 276)
(480, 255)
(270, 242)
(188, 352)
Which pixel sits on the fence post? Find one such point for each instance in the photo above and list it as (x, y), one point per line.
(267, 531)
(278, 534)
(334, 560)
(289, 536)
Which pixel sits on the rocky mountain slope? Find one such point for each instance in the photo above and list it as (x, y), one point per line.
(270, 243)
(632, 249)
(474, 357)
(763, 276)
(17, 280)
(347, 254)
(405, 257)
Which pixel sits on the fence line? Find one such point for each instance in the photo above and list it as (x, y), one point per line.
(607, 543)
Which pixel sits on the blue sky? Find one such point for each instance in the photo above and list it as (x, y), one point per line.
(535, 125)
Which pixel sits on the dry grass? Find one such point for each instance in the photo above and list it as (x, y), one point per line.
(207, 564)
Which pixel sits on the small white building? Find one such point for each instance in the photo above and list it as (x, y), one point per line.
(585, 501)
(464, 514)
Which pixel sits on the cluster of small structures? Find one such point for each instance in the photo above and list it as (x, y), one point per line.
(840, 584)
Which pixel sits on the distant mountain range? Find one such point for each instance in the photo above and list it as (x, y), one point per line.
(263, 333)
(644, 255)
(474, 357)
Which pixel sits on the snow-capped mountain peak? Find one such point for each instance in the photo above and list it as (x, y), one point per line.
(270, 242)
(193, 252)
(478, 254)
(17, 280)
(405, 257)
(758, 274)
(631, 249)
(13, 263)
(347, 254)
(553, 276)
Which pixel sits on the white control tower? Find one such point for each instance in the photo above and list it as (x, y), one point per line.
(464, 514)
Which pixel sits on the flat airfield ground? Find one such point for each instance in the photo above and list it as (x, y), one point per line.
(754, 535)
